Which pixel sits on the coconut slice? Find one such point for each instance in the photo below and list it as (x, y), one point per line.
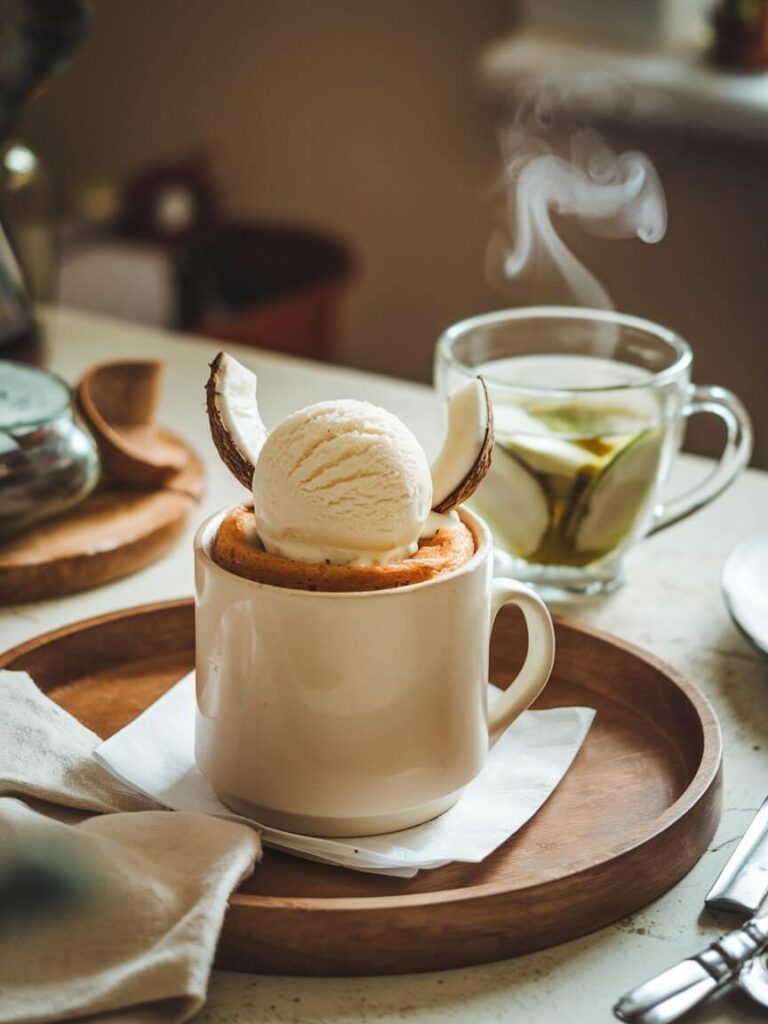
(233, 413)
(465, 457)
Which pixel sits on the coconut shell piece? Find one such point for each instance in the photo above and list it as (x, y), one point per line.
(482, 464)
(118, 401)
(230, 453)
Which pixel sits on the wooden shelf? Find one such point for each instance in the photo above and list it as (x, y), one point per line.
(672, 91)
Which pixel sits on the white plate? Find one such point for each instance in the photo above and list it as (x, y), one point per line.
(745, 588)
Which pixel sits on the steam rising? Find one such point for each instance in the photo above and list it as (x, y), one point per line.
(608, 195)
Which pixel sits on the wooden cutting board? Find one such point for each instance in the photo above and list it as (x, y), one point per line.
(116, 531)
(635, 812)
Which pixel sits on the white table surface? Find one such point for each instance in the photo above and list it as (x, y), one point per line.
(671, 605)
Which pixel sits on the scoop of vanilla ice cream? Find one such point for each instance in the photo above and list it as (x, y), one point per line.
(344, 482)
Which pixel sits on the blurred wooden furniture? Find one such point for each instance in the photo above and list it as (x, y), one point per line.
(273, 286)
(295, 277)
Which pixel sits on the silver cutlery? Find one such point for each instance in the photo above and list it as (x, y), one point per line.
(739, 956)
(671, 994)
(742, 885)
(754, 979)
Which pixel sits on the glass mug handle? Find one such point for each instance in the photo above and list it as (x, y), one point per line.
(533, 676)
(735, 455)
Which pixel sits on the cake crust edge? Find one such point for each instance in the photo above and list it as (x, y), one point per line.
(235, 548)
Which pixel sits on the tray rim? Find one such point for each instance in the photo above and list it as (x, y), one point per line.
(705, 777)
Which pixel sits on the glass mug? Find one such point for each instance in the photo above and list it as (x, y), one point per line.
(590, 409)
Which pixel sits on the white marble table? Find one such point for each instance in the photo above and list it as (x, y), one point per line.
(671, 605)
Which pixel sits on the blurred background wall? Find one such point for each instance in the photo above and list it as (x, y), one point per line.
(368, 120)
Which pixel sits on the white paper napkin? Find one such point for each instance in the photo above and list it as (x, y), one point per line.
(155, 753)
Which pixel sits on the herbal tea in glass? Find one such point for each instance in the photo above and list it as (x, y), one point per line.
(571, 479)
(590, 409)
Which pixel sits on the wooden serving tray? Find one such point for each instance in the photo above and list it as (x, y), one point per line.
(117, 530)
(637, 809)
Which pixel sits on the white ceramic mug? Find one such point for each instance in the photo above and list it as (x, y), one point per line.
(342, 714)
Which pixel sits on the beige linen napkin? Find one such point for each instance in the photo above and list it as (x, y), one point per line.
(143, 894)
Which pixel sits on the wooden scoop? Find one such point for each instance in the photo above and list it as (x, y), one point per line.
(118, 402)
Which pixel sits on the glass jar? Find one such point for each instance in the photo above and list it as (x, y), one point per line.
(48, 461)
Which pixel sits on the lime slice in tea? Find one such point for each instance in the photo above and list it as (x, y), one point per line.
(540, 448)
(609, 507)
(514, 504)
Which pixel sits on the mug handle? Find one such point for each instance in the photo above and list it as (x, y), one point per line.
(533, 676)
(734, 457)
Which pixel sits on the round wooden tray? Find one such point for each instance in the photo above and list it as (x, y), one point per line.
(637, 809)
(117, 530)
